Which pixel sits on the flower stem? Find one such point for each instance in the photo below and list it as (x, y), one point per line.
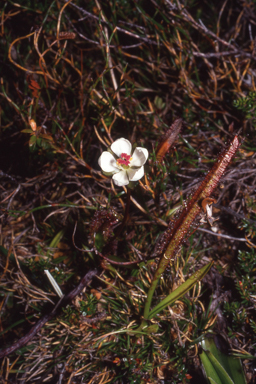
(126, 213)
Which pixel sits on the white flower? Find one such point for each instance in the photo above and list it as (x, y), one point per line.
(122, 164)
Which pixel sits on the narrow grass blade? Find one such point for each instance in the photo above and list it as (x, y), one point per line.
(55, 241)
(54, 283)
(181, 290)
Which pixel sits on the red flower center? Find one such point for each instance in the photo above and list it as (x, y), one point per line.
(124, 159)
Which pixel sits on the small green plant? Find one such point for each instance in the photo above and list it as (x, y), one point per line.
(241, 310)
(248, 106)
(219, 366)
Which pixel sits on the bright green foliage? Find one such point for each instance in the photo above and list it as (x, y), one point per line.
(247, 105)
(240, 310)
(180, 291)
(220, 367)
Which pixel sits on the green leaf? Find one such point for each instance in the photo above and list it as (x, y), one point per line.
(99, 241)
(181, 290)
(216, 366)
(16, 324)
(212, 381)
(55, 241)
(32, 140)
(153, 328)
(28, 130)
(209, 369)
(219, 364)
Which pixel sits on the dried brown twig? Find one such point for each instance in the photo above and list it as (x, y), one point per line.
(62, 302)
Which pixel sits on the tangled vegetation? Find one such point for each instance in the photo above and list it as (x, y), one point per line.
(146, 270)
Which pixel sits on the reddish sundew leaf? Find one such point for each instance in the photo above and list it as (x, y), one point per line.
(193, 207)
(168, 139)
(177, 233)
(102, 225)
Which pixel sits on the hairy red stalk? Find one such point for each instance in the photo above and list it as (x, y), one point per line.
(193, 207)
(179, 231)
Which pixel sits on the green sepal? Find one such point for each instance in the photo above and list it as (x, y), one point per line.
(112, 153)
(108, 173)
(132, 185)
(134, 146)
(136, 167)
